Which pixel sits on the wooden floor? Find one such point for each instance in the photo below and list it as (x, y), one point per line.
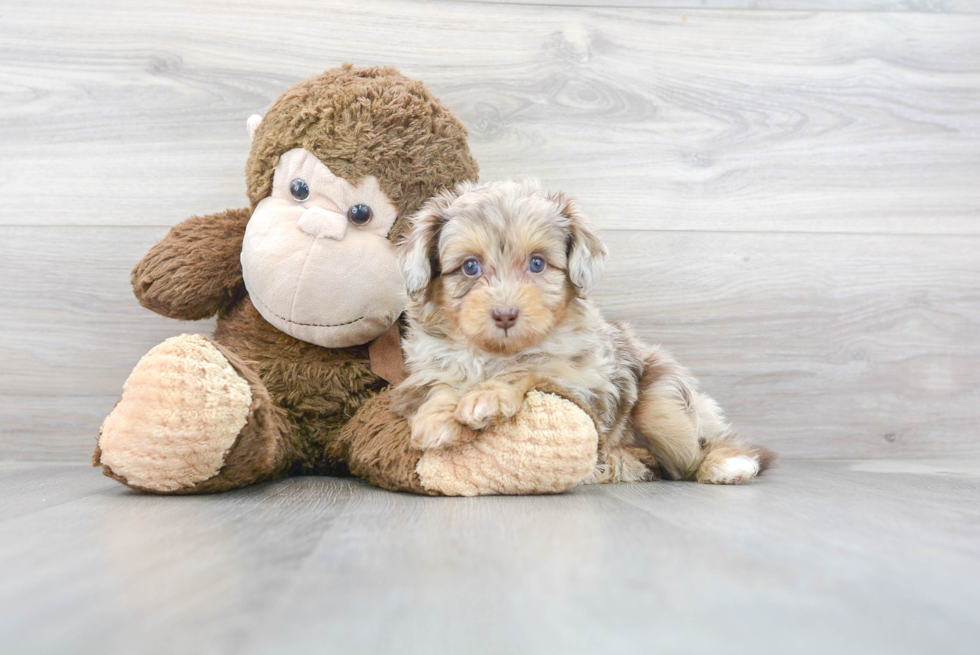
(873, 556)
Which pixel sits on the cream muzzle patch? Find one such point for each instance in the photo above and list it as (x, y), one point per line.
(316, 258)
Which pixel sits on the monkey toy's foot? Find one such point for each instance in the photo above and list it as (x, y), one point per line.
(549, 446)
(189, 420)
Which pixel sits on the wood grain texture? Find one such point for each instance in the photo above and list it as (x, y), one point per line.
(818, 345)
(676, 119)
(71, 333)
(28, 487)
(814, 557)
(927, 6)
(152, 575)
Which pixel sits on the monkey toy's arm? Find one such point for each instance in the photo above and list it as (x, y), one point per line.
(196, 270)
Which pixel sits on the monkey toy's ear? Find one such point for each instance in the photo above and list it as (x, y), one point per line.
(252, 124)
(586, 252)
(419, 252)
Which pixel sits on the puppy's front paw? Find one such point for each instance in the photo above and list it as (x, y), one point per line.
(438, 430)
(485, 406)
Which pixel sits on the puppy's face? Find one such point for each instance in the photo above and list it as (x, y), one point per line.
(498, 265)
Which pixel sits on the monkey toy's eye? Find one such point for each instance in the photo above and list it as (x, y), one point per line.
(536, 265)
(471, 268)
(300, 189)
(360, 214)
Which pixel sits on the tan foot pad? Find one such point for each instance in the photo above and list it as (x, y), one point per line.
(549, 447)
(181, 410)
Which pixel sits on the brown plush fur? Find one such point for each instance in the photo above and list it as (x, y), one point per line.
(196, 270)
(366, 121)
(359, 122)
(319, 388)
(265, 446)
(376, 444)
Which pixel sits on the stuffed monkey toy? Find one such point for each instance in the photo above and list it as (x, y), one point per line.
(307, 291)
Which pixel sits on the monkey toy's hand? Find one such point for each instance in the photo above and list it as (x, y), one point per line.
(196, 270)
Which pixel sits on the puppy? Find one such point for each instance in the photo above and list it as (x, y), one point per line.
(498, 278)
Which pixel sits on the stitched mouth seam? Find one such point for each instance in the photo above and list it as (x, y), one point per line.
(266, 307)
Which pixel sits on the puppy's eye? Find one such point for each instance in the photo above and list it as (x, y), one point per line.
(536, 265)
(299, 189)
(360, 214)
(471, 268)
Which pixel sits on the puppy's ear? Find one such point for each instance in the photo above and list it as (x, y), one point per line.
(418, 252)
(586, 253)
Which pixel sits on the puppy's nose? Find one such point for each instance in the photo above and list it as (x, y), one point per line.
(504, 317)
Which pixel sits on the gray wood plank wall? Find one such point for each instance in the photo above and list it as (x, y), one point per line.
(791, 195)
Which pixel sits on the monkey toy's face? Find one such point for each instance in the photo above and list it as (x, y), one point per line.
(316, 257)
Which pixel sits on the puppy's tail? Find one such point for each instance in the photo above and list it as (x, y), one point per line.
(686, 429)
(728, 459)
(723, 457)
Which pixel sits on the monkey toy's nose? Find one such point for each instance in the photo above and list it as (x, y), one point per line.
(504, 317)
(323, 223)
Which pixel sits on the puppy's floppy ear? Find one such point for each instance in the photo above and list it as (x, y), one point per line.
(419, 257)
(586, 253)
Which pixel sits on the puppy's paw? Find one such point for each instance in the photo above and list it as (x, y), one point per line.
(730, 470)
(438, 430)
(484, 406)
(626, 464)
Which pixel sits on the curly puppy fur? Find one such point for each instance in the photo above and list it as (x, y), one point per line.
(499, 278)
